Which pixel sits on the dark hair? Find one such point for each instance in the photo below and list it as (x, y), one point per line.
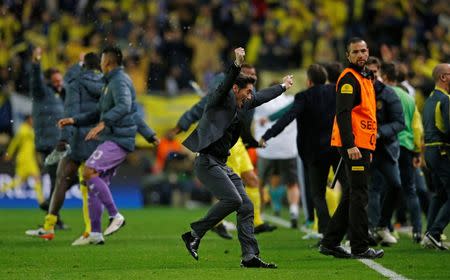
(316, 74)
(334, 69)
(115, 53)
(243, 80)
(50, 71)
(352, 41)
(373, 60)
(388, 69)
(91, 61)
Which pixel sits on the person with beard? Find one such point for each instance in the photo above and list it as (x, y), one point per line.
(217, 132)
(354, 133)
(239, 159)
(47, 108)
(436, 122)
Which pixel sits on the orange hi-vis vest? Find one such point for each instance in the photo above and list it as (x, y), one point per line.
(364, 118)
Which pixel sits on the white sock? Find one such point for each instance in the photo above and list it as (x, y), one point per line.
(293, 210)
(96, 234)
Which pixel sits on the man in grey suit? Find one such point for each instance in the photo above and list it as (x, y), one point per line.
(217, 131)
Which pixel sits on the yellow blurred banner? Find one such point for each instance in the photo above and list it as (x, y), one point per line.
(162, 113)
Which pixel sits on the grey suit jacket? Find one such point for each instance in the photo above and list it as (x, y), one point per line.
(220, 110)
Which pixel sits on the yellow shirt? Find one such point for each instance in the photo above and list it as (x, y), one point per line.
(23, 144)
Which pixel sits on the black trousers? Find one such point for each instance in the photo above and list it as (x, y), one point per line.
(351, 213)
(318, 176)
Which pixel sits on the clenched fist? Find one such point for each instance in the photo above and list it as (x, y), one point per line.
(240, 56)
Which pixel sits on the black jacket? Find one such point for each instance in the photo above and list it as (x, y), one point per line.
(220, 110)
(194, 114)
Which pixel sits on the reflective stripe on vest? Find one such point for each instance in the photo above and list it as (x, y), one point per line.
(364, 121)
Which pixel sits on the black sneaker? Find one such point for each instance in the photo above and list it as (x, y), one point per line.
(372, 238)
(222, 231)
(256, 262)
(294, 223)
(191, 243)
(337, 252)
(60, 225)
(436, 241)
(266, 227)
(369, 254)
(417, 237)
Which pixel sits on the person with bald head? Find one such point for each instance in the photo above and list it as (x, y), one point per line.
(436, 122)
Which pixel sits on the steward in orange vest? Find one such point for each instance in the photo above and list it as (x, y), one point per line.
(354, 133)
(363, 130)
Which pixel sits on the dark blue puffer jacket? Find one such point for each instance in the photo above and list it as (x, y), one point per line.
(390, 121)
(47, 109)
(83, 93)
(117, 108)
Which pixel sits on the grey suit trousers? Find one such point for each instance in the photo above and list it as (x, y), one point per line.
(227, 187)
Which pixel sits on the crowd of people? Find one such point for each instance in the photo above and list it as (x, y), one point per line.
(387, 154)
(168, 43)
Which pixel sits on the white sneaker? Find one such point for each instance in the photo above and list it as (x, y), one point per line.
(94, 238)
(386, 237)
(115, 224)
(81, 240)
(426, 243)
(42, 233)
(312, 235)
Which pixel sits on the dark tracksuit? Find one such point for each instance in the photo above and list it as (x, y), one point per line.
(352, 210)
(436, 122)
(384, 168)
(314, 110)
(123, 122)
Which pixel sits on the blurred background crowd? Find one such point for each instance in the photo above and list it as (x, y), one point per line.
(167, 43)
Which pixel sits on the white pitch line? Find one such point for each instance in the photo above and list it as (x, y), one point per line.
(277, 220)
(370, 263)
(382, 270)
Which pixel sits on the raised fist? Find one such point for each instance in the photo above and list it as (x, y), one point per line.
(37, 54)
(288, 81)
(240, 56)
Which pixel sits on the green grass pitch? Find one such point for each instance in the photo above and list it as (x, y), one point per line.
(150, 247)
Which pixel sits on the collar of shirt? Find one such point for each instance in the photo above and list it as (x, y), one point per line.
(442, 90)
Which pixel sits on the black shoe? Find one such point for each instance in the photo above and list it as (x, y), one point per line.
(337, 252)
(369, 254)
(191, 244)
(417, 237)
(266, 227)
(372, 238)
(257, 263)
(60, 225)
(222, 231)
(371, 241)
(294, 223)
(436, 241)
